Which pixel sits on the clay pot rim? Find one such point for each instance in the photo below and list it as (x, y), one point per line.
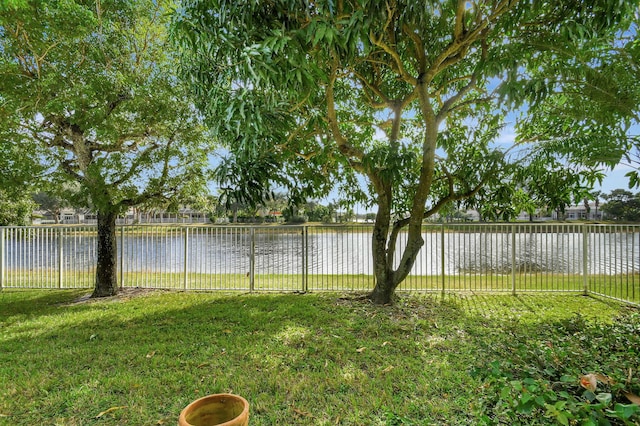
(245, 407)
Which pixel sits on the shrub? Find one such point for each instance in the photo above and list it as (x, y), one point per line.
(544, 383)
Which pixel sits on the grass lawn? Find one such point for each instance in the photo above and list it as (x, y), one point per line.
(314, 359)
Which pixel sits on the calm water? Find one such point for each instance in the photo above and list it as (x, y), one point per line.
(289, 251)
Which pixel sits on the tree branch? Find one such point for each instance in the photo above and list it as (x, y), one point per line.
(449, 103)
(461, 42)
(400, 69)
(451, 196)
(458, 29)
(343, 144)
(68, 167)
(375, 89)
(418, 48)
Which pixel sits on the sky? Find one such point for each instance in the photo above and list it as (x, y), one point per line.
(615, 179)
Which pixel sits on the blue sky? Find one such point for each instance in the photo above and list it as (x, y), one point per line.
(615, 179)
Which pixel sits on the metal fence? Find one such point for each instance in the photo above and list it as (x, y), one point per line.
(600, 259)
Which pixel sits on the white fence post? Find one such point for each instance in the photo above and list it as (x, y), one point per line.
(121, 256)
(252, 259)
(186, 258)
(1, 258)
(585, 258)
(513, 259)
(305, 259)
(60, 257)
(442, 259)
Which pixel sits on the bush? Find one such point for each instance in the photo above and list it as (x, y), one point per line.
(297, 219)
(544, 383)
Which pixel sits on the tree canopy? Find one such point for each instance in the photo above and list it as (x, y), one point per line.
(93, 85)
(587, 109)
(622, 205)
(409, 94)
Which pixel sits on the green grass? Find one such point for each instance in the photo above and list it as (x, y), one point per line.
(312, 359)
(625, 287)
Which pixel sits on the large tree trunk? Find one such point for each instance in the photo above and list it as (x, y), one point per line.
(384, 244)
(388, 278)
(384, 291)
(106, 268)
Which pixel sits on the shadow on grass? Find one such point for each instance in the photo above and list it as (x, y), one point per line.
(298, 359)
(71, 362)
(34, 302)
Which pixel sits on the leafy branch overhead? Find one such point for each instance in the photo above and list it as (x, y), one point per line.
(404, 93)
(319, 85)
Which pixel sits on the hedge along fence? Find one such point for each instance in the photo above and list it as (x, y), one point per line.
(600, 259)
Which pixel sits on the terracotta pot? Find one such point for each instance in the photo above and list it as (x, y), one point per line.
(221, 409)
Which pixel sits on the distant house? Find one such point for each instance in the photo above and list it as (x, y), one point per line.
(66, 216)
(539, 216)
(580, 212)
(69, 216)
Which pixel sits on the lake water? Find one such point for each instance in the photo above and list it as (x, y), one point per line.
(328, 251)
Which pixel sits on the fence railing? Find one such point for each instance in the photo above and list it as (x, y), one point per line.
(601, 259)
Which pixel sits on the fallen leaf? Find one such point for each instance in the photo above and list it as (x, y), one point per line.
(389, 368)
(589, 381)
(160, 422)
(204, 364)
(151, 354)
(635, 399)
(302, 413)
(107, 411)
(362, 349)
(385, 344)
(604, 379)
(228, 331)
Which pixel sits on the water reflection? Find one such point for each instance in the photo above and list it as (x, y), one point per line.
(225, 251)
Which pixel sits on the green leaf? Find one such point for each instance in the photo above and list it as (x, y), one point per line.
(625, 411)
(320, 31)
(562, 419)
(517, 385)
(604, 398)
(505, 393)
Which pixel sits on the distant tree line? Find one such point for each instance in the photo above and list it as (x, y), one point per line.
(622, 205)
(619, 205)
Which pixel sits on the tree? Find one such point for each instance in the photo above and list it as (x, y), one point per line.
(19, 170)
(622, 205)
(590, 112)
(16, 205)
(50, 203)
(318, 213)
(595, 196)
(400, 92)
(93, 85)
(15, 211)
